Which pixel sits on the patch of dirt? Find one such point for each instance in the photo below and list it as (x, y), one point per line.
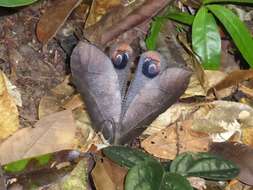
(32, 70)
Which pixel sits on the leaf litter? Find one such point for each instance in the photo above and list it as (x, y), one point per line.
(63, 122)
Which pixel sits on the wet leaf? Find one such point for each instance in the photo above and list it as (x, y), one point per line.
(53, 18)
(50, 134)
(204, 165)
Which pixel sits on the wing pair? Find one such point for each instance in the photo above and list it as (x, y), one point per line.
(118, 114)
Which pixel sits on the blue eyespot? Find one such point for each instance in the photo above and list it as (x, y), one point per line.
(150, 68)
(121, 60)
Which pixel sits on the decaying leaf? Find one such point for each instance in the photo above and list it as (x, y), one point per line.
(9, 121)
(53, 18)
(175, 139)
(108, 175)
(50, 134)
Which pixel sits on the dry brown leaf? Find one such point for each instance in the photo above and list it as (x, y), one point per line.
(195, 88)
(173, 140)
(108, 175)
(50, 134)
(53, 18)
(74, 102)
(9, 121)
(54, 101)
(98, 9)
(234, 78)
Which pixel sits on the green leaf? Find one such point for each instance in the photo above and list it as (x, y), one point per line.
(125, 156)
(227, 1)
(237, 29)
(206, 41)
(15, 3)
(174, 181)
(178, 16)
(204, 165)
(156, 26)
(16, 166)
(144, 176)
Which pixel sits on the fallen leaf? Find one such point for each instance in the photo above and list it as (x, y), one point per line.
(98, 9)
(54, 101)
(108, 175)
(52, 133)
(9, 121)
(175, 139)
(239, 153)
(53, 18)
(234, 78)
(76, 180)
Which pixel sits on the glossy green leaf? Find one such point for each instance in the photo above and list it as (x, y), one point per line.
(15, 3)
(227, 1)
(179, 16)
(156, 26)
(16, 166)
(126, 156)
(237, 30)
(146, 175)
(206, 41)
(174, 181)
(204, 165)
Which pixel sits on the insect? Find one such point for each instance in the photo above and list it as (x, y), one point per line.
(121, 112)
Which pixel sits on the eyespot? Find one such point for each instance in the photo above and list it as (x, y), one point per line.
(120, 61)
(150, 68)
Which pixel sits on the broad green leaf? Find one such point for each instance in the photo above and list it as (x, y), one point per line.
(206, 41)
(204, 165)
(237, 30)
(178, 16)
(156, 26)
(147, 175)
(174, 181)
(227, 1)
(125, 156)
(15, 3)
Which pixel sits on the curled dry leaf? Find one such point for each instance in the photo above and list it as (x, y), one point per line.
(52, 133)
(241, 154)
(9, 121)
(53, 18)
(173, 140)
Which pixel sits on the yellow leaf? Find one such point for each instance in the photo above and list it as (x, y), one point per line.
(9, 121)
